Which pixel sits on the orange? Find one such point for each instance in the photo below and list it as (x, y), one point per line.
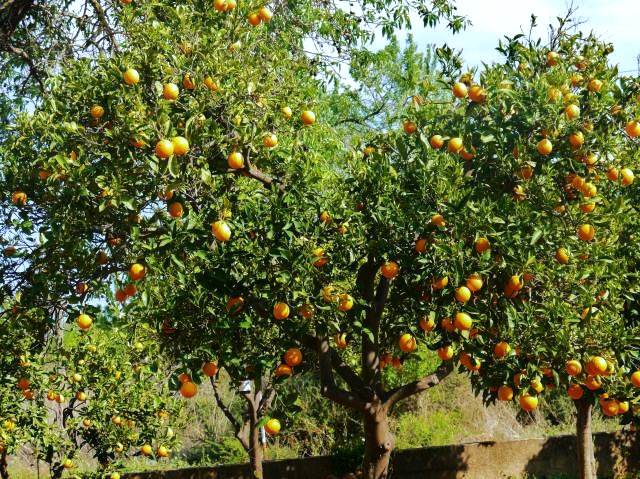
(593, 383)
(505, 393)
(536, 385)
(235, 305)
(210, 368)
(576, 140)
(81, 396)
(270, 140)
(587, 207)
(389, 269)
(120, 296)
(597, 365)
(573, 367)
(575, 391)
(610, 407)
(526, 172)
(345, 302)
(421, 245)
(635, 379)
(146, 450)
(462, 294)
(308, 117)
(463, 321)
(440, 283)
(180, 145)
(281, 311)
(272, 427)
(221, 230)
(544, 147)
(477, 94)
(455, 145)
(612, 174)
(407, 343)
(459, 90)
(287, 113)
(623, 407)
(445, 353)
(164, 149)
(595, 85)
(341, 340)
(633, 128)
(528, 403)
(188, 389)
(170, 91)
(586, 232)
(283, 370)
(84, 321)
(306, 311)
(436, 142)
(501, 349)
(482, 245)
(235, 160)
(426, 324)
(553, 58)
(130, 289)
(468, 155)
(368, 150)
(627, 176)
(210, 83)
(554, 95)
(293, 357)
(409, 127)
(187, 82)
(19, 198)
(162, 452)
(562, 256)
(96, 112)
(23, 384)
(576, 79)
(265, 14)
(176, 210)
(137, 271)
(447, 325)
(131, 76)
(325, 217)
(438, 220)
(474, 283)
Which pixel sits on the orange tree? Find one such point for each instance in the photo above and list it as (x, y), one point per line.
(541, 249)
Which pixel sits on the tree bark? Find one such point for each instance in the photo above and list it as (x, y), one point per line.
(378, 444)
(586, 459)
(4, 466)
(255, 451)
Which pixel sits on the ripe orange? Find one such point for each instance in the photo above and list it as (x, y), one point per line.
(235, 160)
(96, 112)
(595, 85)
(287, 113)
(445, 353)
(623, 407)
(562, 256)
(170, 91)
(210, 369)
(553, 58)
(477, 94)
(482, 245)
(23, 384)
(84, 321)
(501, 349)
(505, 393)
(459, 90)
(130, 289)
(281, 311)
(612, 174)
(609, 407)
(120, 296)
(587, 207)
(272, 427)
(137, 271)
(468, 155)
(180, 145)
(576, 140)
(306, 311)
(463, 321)
(162, 451)
(345, 302)
(544, 147)
(554, 94)
(455, 145)
(325, 217)
(176, 210)
(221, 230)
(164, 149)
(447, 325)
(440, 283)
(19, 198)
(436, 142)
(438, 220)
(528, 403)
(210, 83)
(341, 340)
(131, 76)
(146, 450)
(633, 128)
(187, 82)
(265, 14)
(235, 305)
(421, 245)
(409, 127)
(426, 324)
(597, 365)
(575, 391)
(308, 117)
(474, 283)
(270, 140)
(283, 370)
(536, 385)
(389, 269)
(573, 367)
(407, 343)
(188, 389)
(627, 176)
(526, 172)
(635, 379)
(586, 232)
(593, 383)
(293, 357)
(462, 294)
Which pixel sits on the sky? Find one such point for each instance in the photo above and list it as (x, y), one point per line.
(614, 21)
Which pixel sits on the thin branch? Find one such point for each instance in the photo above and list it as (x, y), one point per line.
(328, 387)
(402, 392)
(102, 17)
(223, 407)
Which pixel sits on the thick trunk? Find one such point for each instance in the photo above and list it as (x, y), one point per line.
(378, 444)
(586, 460)
(4, 467)
(255, 451)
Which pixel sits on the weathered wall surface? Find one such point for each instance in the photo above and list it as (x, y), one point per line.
(617, 455)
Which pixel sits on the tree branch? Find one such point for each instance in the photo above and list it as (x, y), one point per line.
(254, 172)
(223, 407)
(328, 386)
(402, 392)
(104, 24)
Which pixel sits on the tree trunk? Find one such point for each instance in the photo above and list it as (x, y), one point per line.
(255, 451)
(4, 467)
(586, 459)
(378, 444)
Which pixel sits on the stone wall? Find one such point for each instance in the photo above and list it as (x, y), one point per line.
(616, 454)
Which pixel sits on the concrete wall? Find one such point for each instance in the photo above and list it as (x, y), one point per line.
(616, 454)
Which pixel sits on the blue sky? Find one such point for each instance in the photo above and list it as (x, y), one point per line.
(615, 21)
